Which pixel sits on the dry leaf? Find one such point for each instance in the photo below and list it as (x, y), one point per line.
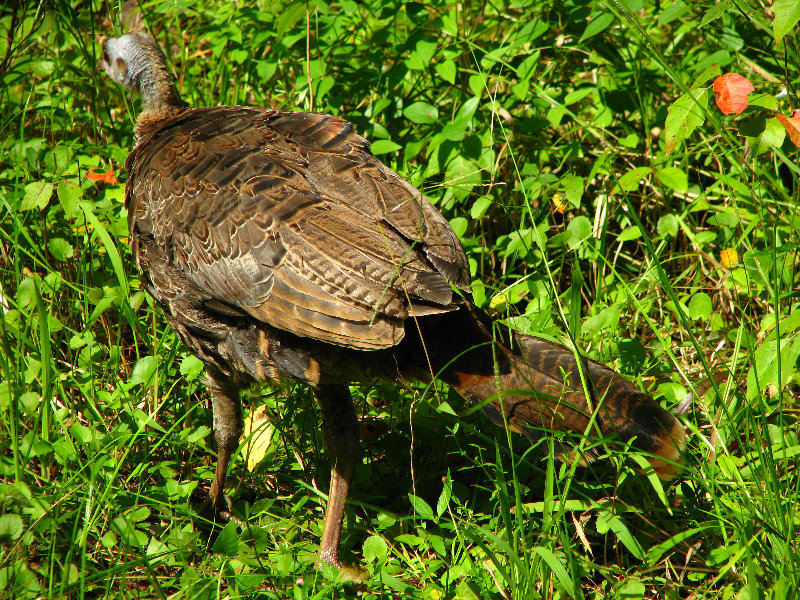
(792, 126)
(730, 93)
(729, 257)
(104, 176)
(256, 438)
(581, 534)
(560, 205)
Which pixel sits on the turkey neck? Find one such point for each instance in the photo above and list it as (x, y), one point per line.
(149, 75)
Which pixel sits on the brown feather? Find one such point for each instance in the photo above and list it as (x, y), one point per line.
(233, 192)
(279, 246)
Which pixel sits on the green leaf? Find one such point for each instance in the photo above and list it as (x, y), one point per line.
(60, 248)
(787, 13)
(752, 126)
(673, 11)
(459, 225)
(447, 71)
(406, 590)
(239, 55)
(156, 549)
(109, 540)
(143, 371)
(198, 433)
(384, 147)
(632, 590)
(467, 110)
(421, 508)
(128, 533)
(618, 526)
(444, 497)
(558, 569)
(606, 320)
(630, 180)
(69, 195)
(227, 543)
(555, 114)
(629, 233)
(139, 514)
(573, 188)
(266, 69)
(715, 12)
(632, 354)
(451, 22)
(37, 195)
(410, 539)
(770, 364)
(191, 367)
(597, 25)
(521, 89)
(685, 115)
(710, 72)
(81, 433)
(323, 85)
(456, 130)
(420, 58)
(27, 293)
(11, 527)
(766, 101)
(479, 297)
(510, 295)
(437, 543)
(462, 176)
(700, 306)
(629, 141)
(578, 95)
(480, 206)
(771, 134)
(421, 112)
(654, 553)
(108, 244)
(668, 226)
(288, 17)
(375, 549)
(578, 230)
(674, 178)
(30, 401)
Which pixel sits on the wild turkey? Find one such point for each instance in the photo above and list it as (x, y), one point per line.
(278, 246)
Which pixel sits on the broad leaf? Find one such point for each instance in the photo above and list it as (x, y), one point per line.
(730, 93)
(685, 115)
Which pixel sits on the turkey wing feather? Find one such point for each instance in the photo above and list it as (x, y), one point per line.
(289, 218)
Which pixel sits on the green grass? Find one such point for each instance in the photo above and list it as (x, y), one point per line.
(540, 130)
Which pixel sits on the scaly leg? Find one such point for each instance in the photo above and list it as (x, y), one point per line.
(341, 433)
(227, 430)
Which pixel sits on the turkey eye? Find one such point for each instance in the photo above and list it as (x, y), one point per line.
(106, 58)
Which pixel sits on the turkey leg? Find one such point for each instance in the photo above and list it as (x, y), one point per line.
(340, 430)
(227, 431)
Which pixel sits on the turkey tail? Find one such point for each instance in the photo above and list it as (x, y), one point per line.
(622, 409)
(535, 386)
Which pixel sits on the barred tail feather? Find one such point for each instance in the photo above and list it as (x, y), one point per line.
(541, 389)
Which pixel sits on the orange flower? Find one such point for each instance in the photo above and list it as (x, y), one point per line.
(105, 176)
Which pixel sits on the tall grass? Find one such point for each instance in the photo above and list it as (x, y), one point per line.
(538, 130)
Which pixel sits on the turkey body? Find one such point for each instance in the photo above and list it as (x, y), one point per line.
(275, 240)
(279, 247)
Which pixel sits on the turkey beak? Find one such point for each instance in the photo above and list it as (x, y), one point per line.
(102, 62)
